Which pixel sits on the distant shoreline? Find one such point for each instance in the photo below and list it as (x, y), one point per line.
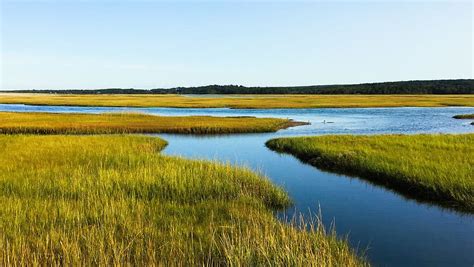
(241, 102)
(442, 87)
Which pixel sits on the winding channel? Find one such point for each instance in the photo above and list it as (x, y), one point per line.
(395, 230)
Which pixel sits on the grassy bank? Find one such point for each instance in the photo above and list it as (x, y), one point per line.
(48, 123)
(113, 200)
(427, 167)
(242, 101)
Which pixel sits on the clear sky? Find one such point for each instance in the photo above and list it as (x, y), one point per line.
(149, 44)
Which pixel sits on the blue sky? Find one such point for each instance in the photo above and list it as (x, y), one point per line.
(149, 44)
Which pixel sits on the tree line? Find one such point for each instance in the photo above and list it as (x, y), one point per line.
(462, 86)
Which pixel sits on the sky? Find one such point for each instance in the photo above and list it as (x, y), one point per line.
(162, 44)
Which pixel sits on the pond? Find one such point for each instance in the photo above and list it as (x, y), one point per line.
(397, 231)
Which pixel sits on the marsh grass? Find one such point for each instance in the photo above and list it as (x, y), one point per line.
(114, 200)
(241, 101)
(108, 123)
(438, 168)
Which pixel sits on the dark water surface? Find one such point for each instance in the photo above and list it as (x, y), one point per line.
(397, 230)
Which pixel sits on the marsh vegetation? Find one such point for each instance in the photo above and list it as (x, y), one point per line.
(242, 101)
(52, 209)
(431, 167)
(108, 123)
(114, 200)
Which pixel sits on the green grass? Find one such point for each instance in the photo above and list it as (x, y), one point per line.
(241, 101)
(114, 200)
(51, 123)
(437, 168)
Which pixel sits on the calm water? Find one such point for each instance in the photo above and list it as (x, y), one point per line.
(397, 230)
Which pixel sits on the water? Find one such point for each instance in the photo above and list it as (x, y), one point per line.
(398, 231)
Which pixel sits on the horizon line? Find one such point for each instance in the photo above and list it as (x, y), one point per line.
(240, 85)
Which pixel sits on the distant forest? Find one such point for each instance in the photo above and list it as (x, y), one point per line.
(464, 86)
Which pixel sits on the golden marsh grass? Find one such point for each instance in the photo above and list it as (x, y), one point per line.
(107, 123)
(241, 101)
(114, 200)
(438, 168)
